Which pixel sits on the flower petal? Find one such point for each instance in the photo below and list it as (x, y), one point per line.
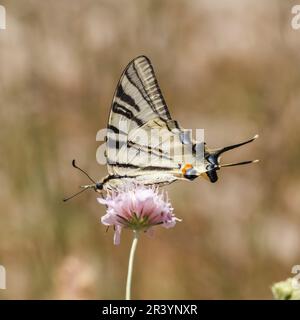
(101, 200)
(108, 219)
(117, 235)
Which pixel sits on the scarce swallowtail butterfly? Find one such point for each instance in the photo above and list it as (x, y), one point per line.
(143, 141)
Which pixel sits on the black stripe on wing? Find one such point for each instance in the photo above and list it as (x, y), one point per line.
(126, 98)
(117, 108)
(115, 129)
(151, 151)
(146, 168)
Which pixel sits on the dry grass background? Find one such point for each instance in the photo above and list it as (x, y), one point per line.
(231, 67)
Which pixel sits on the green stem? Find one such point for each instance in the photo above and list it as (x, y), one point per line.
(130, 265)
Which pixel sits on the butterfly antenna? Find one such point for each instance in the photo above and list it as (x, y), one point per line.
(75, 166)
(237, 163)
(75, 194)
(84, 187)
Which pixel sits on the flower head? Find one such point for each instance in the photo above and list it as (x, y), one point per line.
(138, 208)
(286, 290)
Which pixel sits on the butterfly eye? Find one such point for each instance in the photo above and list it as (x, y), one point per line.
(99, 186)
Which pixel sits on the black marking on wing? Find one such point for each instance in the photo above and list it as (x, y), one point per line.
(114, 176)
(116, 144)
(126, 113)
(115, 129)
(150, 150)
(147, 168)
(126, 98)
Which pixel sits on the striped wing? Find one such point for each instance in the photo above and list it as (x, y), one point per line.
(141, 136)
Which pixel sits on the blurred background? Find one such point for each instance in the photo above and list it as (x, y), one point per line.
(230, 67)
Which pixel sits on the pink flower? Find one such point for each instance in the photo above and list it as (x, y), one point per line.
(138, 208)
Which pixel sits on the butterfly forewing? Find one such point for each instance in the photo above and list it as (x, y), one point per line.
(142, 137)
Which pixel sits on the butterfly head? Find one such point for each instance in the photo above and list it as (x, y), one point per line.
(213, 157)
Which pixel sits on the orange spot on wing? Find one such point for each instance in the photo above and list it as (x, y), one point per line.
(185, 168)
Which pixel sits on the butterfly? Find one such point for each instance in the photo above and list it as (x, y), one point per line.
(143, 141)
